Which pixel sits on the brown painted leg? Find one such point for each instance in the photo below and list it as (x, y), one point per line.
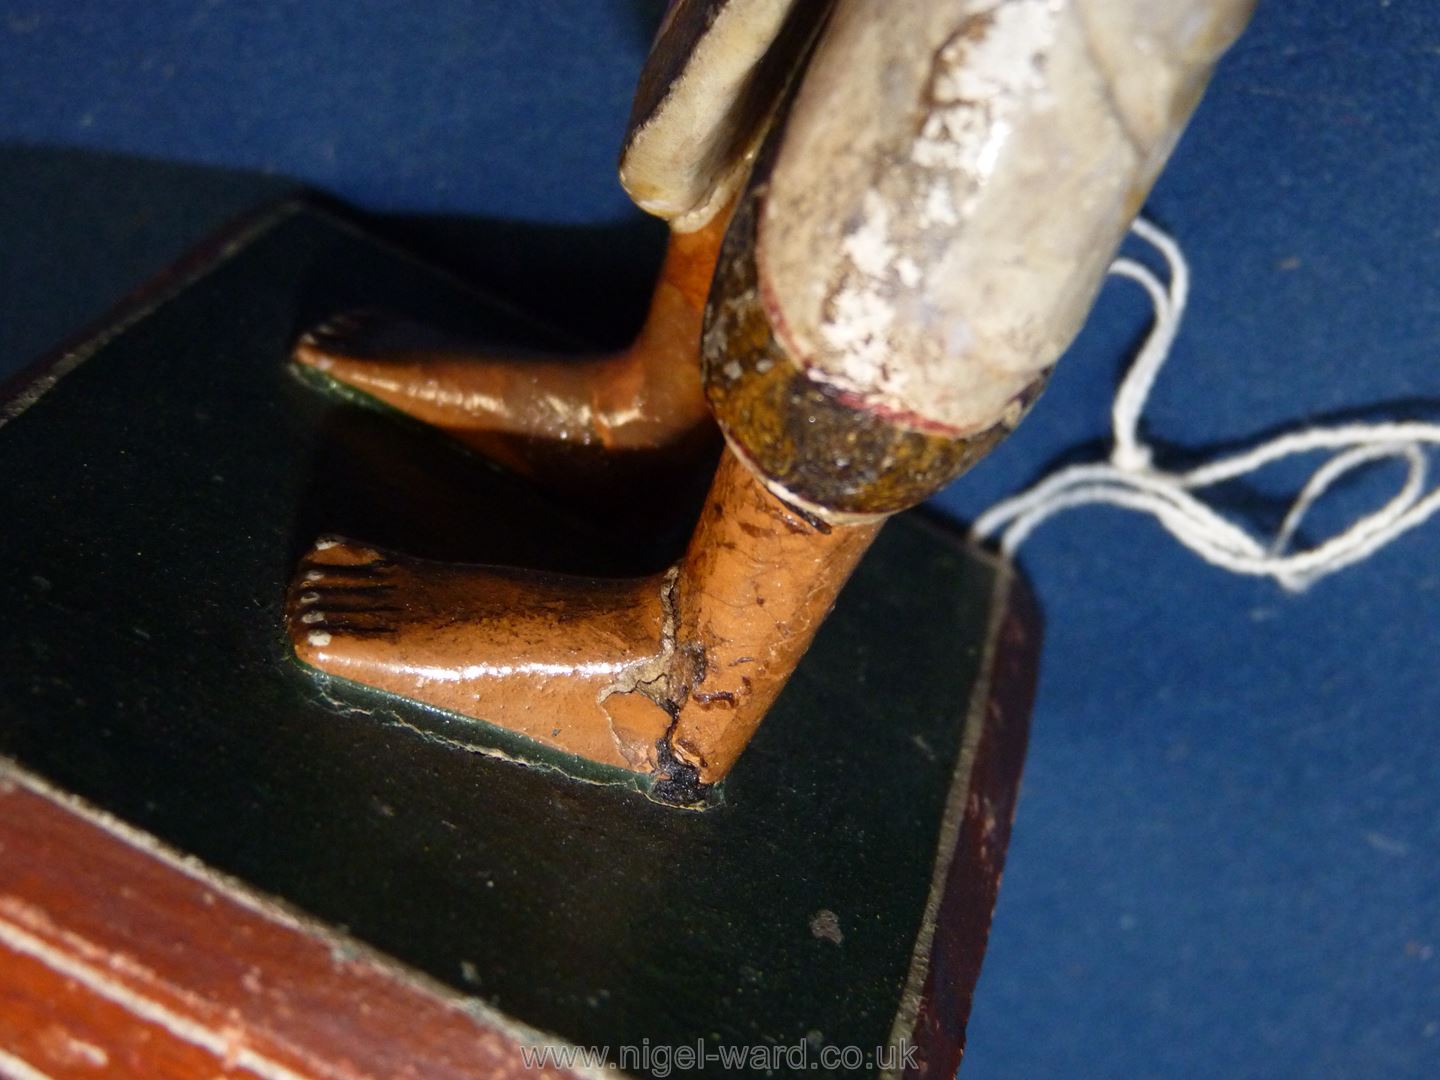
(538, 415)
(667, 675)
(756, 582)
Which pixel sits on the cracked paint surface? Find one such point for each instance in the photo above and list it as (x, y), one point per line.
(952, 184)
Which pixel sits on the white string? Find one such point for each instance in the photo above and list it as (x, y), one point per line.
(1131, 480)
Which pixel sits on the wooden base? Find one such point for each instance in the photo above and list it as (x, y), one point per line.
(460, 893)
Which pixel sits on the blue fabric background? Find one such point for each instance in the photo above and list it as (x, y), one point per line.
(1227, 858)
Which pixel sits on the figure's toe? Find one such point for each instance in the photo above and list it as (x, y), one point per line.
(339, 552)
(363, 338)
(342, 593)
(345, 338)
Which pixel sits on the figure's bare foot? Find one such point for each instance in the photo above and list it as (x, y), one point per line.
(551, 657)
(543, 416)
(667, 675)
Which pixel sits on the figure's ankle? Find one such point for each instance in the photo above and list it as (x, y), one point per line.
(756, 582)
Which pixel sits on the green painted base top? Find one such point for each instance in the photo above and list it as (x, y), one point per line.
(156, 497)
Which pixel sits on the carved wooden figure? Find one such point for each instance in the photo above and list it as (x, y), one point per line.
(918, 200)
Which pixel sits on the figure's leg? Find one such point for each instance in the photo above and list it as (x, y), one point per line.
(866, 340)
(645, 398)
(667, 675)
(703, 101)
(608, 670)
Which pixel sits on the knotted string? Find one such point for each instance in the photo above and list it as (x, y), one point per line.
(1130, 479)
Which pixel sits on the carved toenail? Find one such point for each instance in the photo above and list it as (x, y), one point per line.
(325, 544)
(319, 637)
(309, 597)
(313, 616)
(314, 575)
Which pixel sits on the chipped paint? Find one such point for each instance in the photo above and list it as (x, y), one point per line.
(229, 1045)
(953, 181)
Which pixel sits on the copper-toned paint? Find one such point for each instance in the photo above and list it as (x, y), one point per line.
(645, 674)
(540, 416)
(536, 653)
(755, 585)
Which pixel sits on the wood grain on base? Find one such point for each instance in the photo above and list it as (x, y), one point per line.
(120, 960)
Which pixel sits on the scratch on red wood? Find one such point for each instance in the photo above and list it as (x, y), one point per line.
(121, 958)
(19, 1069)
(227, 1043)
